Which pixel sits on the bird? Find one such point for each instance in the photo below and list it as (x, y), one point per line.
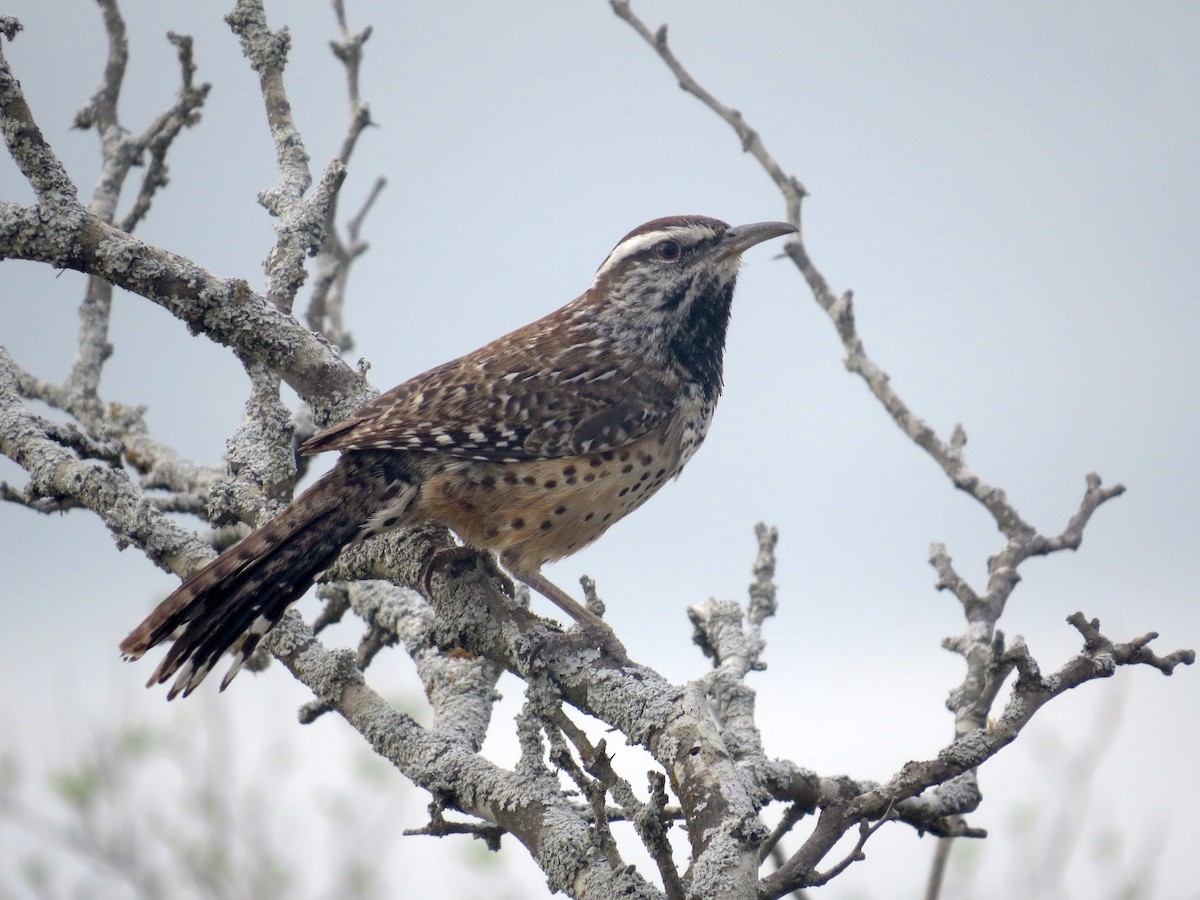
(530, 447)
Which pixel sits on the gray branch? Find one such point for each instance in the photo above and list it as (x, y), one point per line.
(58, 474)
(532, 811)
(336, 256)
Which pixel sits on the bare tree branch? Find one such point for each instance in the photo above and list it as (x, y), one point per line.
(542, 820)
(56, 473)
(335, 257)
(1099, 658)
(161, 133)
(439, 826)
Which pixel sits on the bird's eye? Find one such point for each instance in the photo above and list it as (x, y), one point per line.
(668, 250)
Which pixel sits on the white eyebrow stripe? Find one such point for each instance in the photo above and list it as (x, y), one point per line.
(637, 243)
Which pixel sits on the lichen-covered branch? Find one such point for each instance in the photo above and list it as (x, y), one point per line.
(58, 473)
(670, 721)
(536, 814)
(226, 310)
(302, 221)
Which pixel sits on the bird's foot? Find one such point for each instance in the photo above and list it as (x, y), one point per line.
(485, 562)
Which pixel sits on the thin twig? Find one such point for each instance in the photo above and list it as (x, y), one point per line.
(439, 826)
(156, 140)
(865, 831)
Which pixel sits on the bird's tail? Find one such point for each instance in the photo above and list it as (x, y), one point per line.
(245, 591)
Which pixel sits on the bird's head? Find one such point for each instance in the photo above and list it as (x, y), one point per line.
(665, 290)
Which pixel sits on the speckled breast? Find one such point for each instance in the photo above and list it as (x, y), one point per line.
(539, 511)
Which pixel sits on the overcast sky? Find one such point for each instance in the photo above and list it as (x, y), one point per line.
(1011, 191)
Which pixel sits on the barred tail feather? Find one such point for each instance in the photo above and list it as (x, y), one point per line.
(245, 591)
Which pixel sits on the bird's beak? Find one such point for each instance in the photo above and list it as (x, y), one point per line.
(737, 241)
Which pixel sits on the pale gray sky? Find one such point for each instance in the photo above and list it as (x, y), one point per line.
(1011, 191)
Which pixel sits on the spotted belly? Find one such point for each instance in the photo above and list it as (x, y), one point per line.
(539, 511)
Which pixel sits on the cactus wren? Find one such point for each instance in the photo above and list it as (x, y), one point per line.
(531, 446)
